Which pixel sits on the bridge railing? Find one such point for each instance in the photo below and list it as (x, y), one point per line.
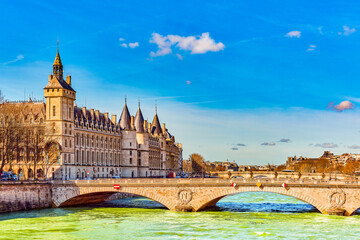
(195, 181)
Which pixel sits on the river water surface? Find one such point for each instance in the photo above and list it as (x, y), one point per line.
(242, 216)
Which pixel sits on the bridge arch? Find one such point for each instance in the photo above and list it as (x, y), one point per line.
(86, 195)
(212, 199)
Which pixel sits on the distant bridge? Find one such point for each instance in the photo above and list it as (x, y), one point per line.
(329, 197)
(281, 175)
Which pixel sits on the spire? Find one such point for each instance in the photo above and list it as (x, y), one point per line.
(57, 66)
(125, 119)
(155, 126)
(139, 120)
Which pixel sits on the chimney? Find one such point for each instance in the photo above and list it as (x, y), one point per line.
(149, 127)
(68, 80)
(84, 111)
(50, 77)
(97, 114)
(163, 128)
(106, 116)
(113, 119)
(145, 126)
(132, 122)
(92, 113)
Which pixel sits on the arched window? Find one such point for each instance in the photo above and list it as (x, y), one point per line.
(54, 111)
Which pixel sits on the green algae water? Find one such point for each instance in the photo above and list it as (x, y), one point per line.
(242, 216)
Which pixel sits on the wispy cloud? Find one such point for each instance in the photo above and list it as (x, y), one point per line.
(195, 44)
(179, 56)
(240, 145)
(268, 144)
(347, 31)
(354, 147)
(188, 82)
(326, 145)
(311, 48)
(18, 58)
(344, 105)
(285, 140)
(121, 39)
(234, 148)
(293, 34)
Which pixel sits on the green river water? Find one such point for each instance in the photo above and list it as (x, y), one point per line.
(242, 216)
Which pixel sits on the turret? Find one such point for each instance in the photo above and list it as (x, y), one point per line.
(125, 119)
(139, 121)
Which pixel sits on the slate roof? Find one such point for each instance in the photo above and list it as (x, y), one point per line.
(155, 126)
(57, 84)
(139, 121)
(125, 119)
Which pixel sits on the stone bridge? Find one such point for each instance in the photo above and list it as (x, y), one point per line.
(281, 175)
(329, 197)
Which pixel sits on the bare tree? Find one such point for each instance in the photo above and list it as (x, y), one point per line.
(10, 130)
(52, 157)
(197, 162)
(2, 97)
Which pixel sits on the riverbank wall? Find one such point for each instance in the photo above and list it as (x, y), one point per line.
(19, 196)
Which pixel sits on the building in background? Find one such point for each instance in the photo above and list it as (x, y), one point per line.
(92, 144)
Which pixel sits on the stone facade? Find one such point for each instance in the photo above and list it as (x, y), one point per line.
(93, 144)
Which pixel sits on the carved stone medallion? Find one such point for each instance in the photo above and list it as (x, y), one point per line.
(185, 196)
(337, 198)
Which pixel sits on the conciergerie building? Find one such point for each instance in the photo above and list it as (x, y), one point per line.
(93, 144)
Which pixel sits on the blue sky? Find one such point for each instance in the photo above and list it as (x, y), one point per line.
(250, 81)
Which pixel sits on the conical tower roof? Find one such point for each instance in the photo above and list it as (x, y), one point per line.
(139, 121)
(125, 119)
(57, 59)
(155, 126)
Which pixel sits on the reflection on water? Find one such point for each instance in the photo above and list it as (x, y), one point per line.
(242, 216)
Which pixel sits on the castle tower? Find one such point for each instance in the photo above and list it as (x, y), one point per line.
(60, 97)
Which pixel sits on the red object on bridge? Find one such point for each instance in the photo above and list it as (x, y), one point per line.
(284, 185)
(233, 184)
(116, 186)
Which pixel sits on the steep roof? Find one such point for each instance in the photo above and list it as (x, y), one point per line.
(58, 83)
(155, 126)
(57, 59)
(139, 121)
(125, 119)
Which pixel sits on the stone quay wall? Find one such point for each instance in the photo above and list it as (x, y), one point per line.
(19, 196)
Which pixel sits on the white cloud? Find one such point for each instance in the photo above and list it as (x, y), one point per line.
(347, 31)
(344, 105)
(18, 58)
(124, 45)
(195, 44)
(188, 82)
(133, 45)
(311, 48)
(121, 39)
(285, 140)
(326, 145)
(293, 34)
